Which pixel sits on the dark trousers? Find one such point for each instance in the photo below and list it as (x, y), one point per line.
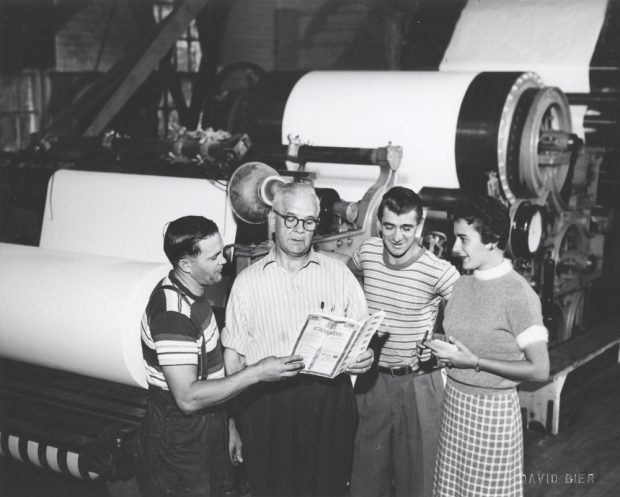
(397, 436)
(180, 455)
(298, 437)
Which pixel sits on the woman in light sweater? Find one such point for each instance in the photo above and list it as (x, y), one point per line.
(496, 338)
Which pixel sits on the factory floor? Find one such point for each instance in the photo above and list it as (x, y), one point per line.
(582, 461)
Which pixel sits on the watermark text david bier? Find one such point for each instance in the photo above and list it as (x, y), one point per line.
(558, 478)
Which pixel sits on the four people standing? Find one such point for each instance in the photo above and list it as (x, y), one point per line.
(296, 433)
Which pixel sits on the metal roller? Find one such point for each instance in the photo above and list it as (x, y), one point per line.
(570, 249)
(503, 133)
(512, 125)
(572, 306)
(45, 455)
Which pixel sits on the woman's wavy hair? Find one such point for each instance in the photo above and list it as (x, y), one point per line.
(487, 215)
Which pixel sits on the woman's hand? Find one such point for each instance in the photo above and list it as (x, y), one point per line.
(453, 353)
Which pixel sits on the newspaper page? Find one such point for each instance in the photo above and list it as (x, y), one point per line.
(327, 342)
(361, 343)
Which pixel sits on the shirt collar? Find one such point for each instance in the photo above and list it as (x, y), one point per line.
(410, 259)
(271, 258)
(176, 282)
(495, 272)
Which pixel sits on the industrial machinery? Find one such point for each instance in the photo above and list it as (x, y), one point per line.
(101, 236)
(505, 134)
(72, 382)
(100, 254)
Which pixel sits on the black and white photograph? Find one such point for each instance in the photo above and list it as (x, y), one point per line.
(309, 248)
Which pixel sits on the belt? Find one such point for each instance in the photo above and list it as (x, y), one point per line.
(396, 371)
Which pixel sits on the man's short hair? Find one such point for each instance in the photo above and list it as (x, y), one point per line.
(487, 215)
(294, 188)
(400, 200)
(184, 234)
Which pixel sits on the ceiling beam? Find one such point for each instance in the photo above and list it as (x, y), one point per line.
(171, 29)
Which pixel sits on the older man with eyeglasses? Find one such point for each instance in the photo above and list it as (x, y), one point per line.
(297, 434)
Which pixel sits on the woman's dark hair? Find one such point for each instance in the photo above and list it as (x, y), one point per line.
(400, 200)
(184, 234)
(487, 215)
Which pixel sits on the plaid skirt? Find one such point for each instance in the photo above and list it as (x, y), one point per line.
(480, 446)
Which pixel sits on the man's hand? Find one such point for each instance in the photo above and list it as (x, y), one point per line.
(415, 363)
(235, 445)
(278, 368)
(362, 363)
(423, 352)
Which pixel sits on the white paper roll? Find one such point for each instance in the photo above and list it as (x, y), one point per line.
(554, 38)
(125, 215)
(416, 110)
(75, 312)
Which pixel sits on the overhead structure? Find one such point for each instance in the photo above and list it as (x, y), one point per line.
(95, 109)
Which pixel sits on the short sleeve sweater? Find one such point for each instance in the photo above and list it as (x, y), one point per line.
(496, 314)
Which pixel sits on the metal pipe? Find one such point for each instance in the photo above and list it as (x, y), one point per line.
(389, 155)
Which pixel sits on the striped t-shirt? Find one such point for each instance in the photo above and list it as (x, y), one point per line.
(174, 326)
(409, 295)
(268, 306)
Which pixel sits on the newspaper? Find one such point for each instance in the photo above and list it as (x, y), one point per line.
(328, 343)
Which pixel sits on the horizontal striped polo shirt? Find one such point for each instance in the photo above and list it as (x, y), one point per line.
(174, 327)
(409, 295)
(268, 306)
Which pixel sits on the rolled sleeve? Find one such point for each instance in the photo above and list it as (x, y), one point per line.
(525, 317)
(535, 333)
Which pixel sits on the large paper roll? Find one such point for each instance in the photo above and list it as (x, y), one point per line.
(554, 38)
(125, 215)
(75, 312)
(416, 110)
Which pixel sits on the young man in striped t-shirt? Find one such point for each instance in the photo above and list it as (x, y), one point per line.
(183, 441)
(399, 411)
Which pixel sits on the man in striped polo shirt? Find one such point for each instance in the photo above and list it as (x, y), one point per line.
(399, 410)
(297, 434)
(183, 433)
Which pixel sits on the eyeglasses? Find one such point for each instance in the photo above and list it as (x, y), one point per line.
(290, 221)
